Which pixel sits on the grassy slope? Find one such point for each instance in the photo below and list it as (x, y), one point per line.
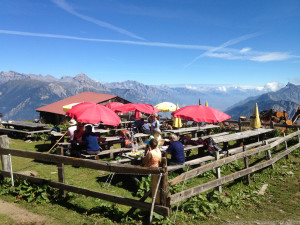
(280, 203)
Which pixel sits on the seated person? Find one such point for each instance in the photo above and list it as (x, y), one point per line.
(76, 142)
(166, 126)
(156, 135)
(91, 141)
(152, 159)
(144, 128)
(78, 133)
(176, 150)
(137, 125)
(71, 129)
(153, 155)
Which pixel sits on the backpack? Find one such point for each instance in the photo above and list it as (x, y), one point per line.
(211, 146)
(126, 138)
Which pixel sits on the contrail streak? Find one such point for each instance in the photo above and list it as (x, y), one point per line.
(142, 43)
(222, 46)
(65, 6)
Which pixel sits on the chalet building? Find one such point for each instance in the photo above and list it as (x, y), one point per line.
(54, 113)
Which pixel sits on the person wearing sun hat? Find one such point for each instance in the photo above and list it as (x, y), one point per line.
(71, 129)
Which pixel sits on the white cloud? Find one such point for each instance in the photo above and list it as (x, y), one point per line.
(223, 55)
(272, 56)
(65, 6)
(222, 88)
(273, 86)
(191, 87)
(244, 50)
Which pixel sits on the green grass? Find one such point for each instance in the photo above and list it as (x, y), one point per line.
(6, 220)
(280, 203)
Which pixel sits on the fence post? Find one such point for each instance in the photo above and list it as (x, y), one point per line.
(246, 166)
(61, 168)
(268, 154)
(271, 124)
(218, 170)
(4, 143)
(240, 125)
(286, 147)
(164, 194)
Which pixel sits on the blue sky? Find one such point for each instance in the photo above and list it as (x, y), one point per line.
(249, 42)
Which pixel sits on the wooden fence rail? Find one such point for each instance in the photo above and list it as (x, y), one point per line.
(216, 164)
(98, 165)
(270, 124)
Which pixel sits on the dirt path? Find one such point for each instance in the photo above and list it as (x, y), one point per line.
(20, 215)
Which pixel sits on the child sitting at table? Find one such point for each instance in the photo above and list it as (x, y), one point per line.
(152, 159)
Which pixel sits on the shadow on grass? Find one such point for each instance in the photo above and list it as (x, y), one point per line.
(43, 147)
(104, 209)
(125, 181)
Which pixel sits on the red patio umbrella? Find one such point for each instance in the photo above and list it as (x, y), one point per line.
(200, 113)
(88, 112)
(113, 105)
(141, 107)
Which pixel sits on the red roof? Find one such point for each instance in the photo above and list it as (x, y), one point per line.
(57, 107)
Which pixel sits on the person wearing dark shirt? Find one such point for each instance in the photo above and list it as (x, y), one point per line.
(91, 141)
(176, 150)
(145, 128)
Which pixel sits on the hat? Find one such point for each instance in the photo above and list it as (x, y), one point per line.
(72, 122)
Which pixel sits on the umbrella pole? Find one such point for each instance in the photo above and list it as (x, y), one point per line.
(57, 142)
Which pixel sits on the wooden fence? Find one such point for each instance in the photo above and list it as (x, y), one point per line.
(270, 124)
(224, 161)
(166, 198)
(97, 165)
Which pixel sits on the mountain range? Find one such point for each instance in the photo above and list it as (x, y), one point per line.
(21, 94)
(287, 98)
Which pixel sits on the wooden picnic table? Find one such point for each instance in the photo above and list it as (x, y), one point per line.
(21, 125)
(101, 131)
(193, 130)
(22, 128)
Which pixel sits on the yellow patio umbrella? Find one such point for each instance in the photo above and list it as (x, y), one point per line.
(254, 119)
(177, 122)
(166, 106)
(69, 106)
(206, 104)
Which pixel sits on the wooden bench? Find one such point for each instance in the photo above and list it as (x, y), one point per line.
(25, 134)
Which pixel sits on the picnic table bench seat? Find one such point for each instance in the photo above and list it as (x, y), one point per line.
(26, 134)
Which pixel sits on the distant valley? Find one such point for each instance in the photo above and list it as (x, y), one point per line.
(21, 94)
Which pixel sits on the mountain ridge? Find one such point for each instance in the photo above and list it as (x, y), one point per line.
(26, 92)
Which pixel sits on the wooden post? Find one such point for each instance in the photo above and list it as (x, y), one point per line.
(246, 165)
(4, 143)
(268, 154)
(111, 155)
(61, 168)
(271, 124)
(240, 125)
(286, 147)
(218, 170)
(165, 194)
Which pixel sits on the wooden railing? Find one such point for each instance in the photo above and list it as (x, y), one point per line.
(97, 165)
(224, 161)
(166, 198)
(270, 124)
